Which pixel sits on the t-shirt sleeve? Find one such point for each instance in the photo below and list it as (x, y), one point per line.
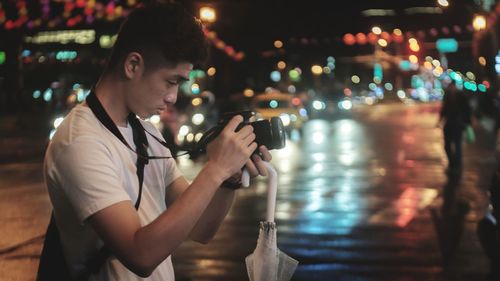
(89, 177)
(172, 172)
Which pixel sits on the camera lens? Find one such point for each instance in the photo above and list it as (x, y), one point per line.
(270, 133)
(278, 133)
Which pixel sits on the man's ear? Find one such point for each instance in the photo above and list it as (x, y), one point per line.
(133, 65)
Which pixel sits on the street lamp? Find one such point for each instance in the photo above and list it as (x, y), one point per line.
(443, 3)
(377, 30)
(382, 42)
(207, 14)
(317, 70)
(479, 22)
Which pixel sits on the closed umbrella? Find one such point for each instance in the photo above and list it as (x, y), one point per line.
(267, 262)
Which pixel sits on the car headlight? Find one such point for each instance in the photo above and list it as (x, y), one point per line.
(285, 118)
(55, 124)
(58, 121)
(155, 120)
(184, 130)
(198, 118)
(258, 116)
(345, 104)
(318, 105)
(303, 112)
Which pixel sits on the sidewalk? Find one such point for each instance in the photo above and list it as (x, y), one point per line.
(463, 203)
(23, 137)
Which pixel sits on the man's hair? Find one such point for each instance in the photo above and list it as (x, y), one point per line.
(162, 33)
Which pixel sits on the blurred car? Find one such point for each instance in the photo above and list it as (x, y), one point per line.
(330, 106)
(286, 106)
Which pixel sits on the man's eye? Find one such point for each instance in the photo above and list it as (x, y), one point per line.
(172, 82)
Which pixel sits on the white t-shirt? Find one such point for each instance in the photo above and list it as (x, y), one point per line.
(87, 169)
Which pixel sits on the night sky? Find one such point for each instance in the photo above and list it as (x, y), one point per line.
(254, 25)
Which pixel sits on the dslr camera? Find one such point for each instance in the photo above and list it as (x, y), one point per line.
(270, 133)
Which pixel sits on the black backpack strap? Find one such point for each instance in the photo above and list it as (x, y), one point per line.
(52, 264)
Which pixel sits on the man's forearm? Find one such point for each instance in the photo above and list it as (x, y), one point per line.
(210, 221)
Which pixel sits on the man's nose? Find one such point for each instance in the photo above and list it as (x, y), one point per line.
(170, 98)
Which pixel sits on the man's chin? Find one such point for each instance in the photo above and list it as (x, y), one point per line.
(144, 116)
(156, 112)
(147, 115)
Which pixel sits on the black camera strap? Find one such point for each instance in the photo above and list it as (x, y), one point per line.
(136, 125)
(140, 139)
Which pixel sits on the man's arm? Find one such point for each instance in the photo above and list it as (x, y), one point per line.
(212, 217)
(143, 248)
(208, 224)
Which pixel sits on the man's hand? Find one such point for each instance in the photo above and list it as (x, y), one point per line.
(255, 166)
(230, 150)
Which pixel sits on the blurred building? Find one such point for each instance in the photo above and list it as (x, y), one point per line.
(254, 42)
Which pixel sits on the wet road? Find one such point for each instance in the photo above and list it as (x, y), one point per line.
(354, 203)
(359, 198)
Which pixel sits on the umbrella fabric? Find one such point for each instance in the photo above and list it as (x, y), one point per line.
(267, 262)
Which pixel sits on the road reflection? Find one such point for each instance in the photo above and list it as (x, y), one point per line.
(325, 168)
(353, 201)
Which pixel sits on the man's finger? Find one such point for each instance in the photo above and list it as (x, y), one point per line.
(252, 170)
(259, 164)
(249, 139)
(245, 131)
(251, 148)
(265, 154)
(233, 123)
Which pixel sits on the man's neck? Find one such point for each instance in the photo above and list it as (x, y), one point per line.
(109, 91)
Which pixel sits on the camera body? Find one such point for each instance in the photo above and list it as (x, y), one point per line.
(270, 133)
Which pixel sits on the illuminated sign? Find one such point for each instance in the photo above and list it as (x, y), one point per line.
(447, 45)
(62, 37)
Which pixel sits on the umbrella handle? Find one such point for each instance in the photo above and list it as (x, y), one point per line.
(272, 188)
(245, 178)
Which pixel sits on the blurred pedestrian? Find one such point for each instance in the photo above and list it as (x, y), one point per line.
(120, 204)
(456, 115)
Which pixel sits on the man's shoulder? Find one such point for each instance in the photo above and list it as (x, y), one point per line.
(83, 117)
(79, 123)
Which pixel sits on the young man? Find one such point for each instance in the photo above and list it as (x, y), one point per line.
(91, 174)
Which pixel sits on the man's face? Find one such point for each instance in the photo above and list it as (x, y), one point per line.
(151, 92)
